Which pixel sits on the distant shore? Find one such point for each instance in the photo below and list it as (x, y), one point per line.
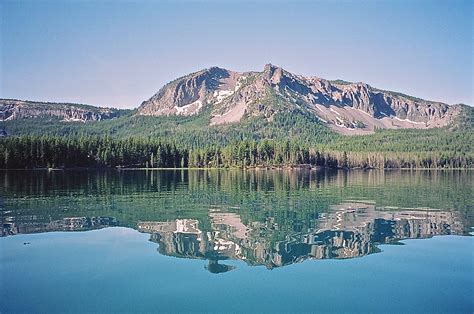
(232, 168)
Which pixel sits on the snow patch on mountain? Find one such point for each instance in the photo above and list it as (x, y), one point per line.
(190, 109)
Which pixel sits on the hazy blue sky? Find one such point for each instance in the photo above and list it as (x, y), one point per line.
(120, 53)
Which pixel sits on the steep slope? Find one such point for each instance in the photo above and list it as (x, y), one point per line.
(349, 108)
(11, 109)
(217, 105)
(187, 95)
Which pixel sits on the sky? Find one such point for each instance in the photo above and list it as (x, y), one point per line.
(119, 53)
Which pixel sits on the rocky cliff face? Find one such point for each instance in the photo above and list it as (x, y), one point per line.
(229, 97)
(351, 108)
(18, 109)
(187, 95)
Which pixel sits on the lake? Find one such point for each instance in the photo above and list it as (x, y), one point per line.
(237, 241)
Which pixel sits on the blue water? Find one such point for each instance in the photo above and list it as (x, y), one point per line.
(119, 270)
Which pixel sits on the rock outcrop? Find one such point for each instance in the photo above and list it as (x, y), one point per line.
(187, 95)
(351, 108)
(229, 97)
(17, 109)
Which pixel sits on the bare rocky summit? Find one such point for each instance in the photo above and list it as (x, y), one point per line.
(187, 95)
(349, 108)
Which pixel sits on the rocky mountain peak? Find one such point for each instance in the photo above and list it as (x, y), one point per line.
(189, 94)
(273, 74)
(217, 71)
(351, 108)
(269, 67)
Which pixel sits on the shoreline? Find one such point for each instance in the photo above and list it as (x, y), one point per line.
(233, 168)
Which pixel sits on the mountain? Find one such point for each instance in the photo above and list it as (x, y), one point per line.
(221, 118)
(12, 109)
(348, 108)
(216, 106)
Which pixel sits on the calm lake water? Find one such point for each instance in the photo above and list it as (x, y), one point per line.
(237, 241)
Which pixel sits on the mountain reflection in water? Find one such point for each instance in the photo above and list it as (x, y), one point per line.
(271, 218)
(348, 230)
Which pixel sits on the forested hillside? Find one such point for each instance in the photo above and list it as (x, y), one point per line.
(384, 149)
(190, 131)
(220, 118)
(288, 139)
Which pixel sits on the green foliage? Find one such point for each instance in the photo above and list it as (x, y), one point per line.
(384, 149)
(282, 138)
(192, 131)
(359, 124)
(412, 98)
(340, 82)
(286, 196)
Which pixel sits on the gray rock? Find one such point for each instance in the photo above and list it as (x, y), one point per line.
(232, 96)
(11, 109)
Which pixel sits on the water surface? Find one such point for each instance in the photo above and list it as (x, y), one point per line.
(233, 240)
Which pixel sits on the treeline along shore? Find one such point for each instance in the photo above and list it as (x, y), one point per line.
(29, 152)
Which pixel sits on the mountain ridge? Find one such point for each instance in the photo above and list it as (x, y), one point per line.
(234, 96)
(14, 109)
(228, 97)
